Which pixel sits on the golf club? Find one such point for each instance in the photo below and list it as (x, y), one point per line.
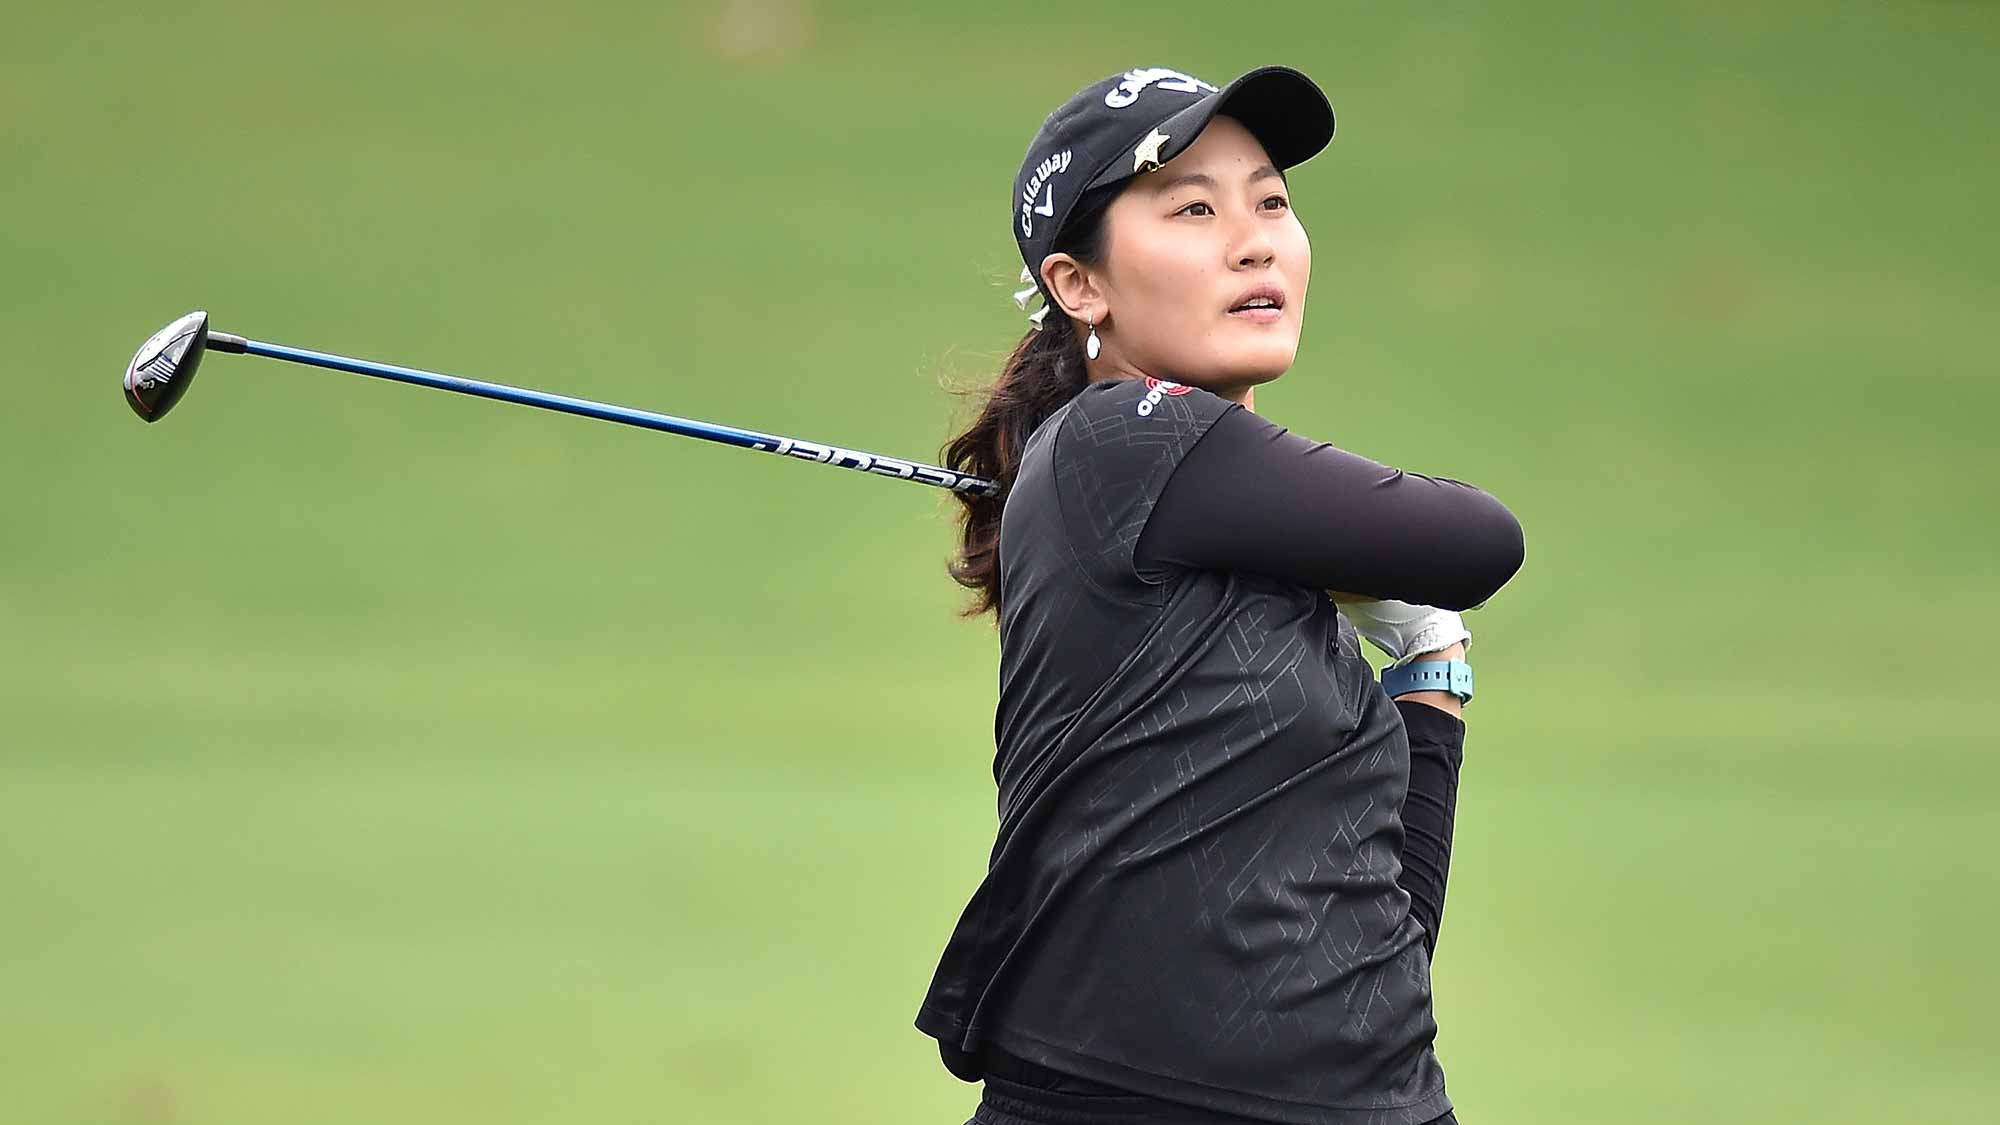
(164, 366)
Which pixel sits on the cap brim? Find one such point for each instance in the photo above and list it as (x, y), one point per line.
(1286, 111)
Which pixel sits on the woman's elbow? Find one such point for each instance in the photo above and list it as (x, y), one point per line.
(1496, 549)
(1489, 550)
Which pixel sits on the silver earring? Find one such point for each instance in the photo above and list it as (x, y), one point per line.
(1090, 346)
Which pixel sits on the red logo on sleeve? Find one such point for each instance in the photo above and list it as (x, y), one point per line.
(1154, 389)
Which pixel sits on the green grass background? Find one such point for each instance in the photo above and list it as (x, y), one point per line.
(370, 754)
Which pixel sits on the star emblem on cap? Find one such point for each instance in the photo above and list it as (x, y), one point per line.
(1148, 152)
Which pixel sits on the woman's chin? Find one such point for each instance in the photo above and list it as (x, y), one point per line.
(1243, 363)
(1250, 366)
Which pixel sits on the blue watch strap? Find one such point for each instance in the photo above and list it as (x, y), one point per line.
(1454, 676)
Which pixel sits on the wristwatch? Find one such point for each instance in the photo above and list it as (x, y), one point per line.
(1454, 676)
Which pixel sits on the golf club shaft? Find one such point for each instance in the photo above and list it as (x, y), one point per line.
(645, 419)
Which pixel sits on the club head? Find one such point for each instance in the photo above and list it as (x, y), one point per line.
(160, 373)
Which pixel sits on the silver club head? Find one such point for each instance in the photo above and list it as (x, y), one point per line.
(165, 364)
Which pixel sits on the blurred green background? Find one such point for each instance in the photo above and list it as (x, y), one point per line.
(373, 754)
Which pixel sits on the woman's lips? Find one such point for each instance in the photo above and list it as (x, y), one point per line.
(1259, 315)
(1263, 303)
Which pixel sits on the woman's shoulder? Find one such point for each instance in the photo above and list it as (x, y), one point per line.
(1143, 410)
(1129, 422)
(1139, 397)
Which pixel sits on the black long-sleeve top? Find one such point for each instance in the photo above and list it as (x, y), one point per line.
(1255, 498)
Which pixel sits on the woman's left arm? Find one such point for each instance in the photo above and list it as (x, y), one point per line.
(1437, 749)
(1434, 722)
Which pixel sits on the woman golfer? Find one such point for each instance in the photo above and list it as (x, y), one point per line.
(1222, 847)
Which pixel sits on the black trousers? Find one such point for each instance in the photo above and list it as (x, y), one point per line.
(1008, 1103)
(987, 1115)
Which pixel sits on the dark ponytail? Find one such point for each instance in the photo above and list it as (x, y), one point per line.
(1045, 371)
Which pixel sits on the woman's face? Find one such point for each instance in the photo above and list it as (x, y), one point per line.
(1192, 248)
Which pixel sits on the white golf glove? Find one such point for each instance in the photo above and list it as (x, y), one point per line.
(1403, 631)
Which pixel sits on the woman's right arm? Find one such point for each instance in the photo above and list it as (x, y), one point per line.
(1252, 497)
(1255, 498)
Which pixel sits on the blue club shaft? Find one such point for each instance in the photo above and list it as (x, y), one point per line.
(645, 419)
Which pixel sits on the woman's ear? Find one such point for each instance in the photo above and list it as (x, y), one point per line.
(1075, 291)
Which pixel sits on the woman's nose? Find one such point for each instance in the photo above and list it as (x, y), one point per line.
(1253, 248)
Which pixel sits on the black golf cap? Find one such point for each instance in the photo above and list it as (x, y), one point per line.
(1136, 121)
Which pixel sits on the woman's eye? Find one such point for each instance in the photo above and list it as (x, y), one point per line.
(1279, 200)
(1190, 209)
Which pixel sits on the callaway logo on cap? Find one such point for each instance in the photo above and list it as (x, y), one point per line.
(1136, 121)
